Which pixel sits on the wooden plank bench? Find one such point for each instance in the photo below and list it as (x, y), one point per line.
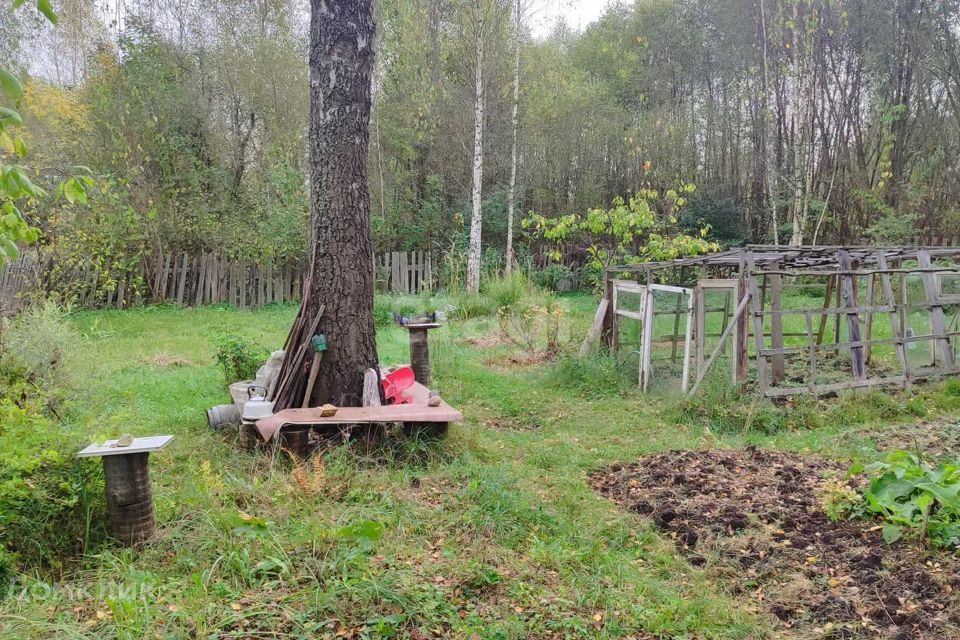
(415, 412)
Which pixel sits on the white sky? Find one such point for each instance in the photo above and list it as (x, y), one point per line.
(577, 14)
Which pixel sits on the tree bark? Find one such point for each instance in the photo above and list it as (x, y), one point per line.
(476, 216)
(511, 201)
(341, 269)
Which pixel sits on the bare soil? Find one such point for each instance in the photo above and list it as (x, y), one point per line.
(754, 518)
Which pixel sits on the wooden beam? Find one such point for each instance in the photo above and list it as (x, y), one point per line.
(938, 321)
(857, 359)
(826, 305)
(757, 323)
(685, 376)
(778, 369)
(896, 325)
(646, 340)
(741, 308)
(596, 327)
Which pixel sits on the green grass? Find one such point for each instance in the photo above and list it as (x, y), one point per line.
(494, 532)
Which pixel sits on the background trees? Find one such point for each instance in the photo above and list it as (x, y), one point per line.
(820, 121)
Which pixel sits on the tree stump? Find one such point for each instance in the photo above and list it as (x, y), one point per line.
(126, 478)
(129, 498)
(420, 351)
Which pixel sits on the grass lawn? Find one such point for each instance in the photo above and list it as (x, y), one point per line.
(493, 533)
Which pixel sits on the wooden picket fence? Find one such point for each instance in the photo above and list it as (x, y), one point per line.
(188, 280)
(405, 271)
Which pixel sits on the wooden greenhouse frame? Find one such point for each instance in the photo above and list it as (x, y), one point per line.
(862, 286)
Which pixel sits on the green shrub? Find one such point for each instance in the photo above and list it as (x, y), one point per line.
(507, 291)
(598, 375)
(478, 305)
(239, 358)
(46, 494)
(553, 277)
(382, 312)
(34, 344)
(909, 493)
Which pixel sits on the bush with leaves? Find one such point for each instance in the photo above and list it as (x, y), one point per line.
(553, 277)
(47, 494)
(33, 346)
(642, 228)
(912, 494)
(532, 324)
(15, 185)
(239, 358)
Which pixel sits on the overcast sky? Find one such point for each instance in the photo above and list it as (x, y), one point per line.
(577, 13)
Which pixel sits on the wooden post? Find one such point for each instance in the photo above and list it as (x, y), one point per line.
(869, 322)
(700, 309)
(896, 323)
(938, 321)
(857, 359)
(740, 342)
(778, 368)
(755, 309)
(183, 279)
(685, 376)
(608, 314)
(646, 345)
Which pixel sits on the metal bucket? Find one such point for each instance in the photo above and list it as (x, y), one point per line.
(223, 415)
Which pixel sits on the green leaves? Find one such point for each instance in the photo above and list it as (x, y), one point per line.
(891, 533)
(363, 534)
(910, 493)
(75, 189)
(44, 7)
(10, 85)
(9, 117)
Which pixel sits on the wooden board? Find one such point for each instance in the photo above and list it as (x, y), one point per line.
(139, 445)
(415, 412)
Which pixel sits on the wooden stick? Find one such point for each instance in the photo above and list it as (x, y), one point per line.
(716, 351)
(595, 328)
(896, 324)
(826, 306)
(938, 321)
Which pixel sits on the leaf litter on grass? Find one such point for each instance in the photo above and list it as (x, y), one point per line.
(757, 513)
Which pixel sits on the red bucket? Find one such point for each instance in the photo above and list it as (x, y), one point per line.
(395, 383)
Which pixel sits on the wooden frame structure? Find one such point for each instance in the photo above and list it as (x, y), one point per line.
(786, 335)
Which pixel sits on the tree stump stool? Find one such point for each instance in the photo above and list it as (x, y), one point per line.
(420, 351)
(126, 478)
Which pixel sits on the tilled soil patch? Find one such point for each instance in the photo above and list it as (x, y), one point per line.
(755, 517)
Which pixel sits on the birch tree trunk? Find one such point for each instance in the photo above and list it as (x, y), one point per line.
(769, 175)
(341, 269)
(476, 216)
(513, 151)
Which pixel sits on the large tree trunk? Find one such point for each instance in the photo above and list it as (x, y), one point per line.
(476, 216)
(341, 271)
(513, 150)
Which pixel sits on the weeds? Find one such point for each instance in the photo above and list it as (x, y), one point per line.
(910, 494)
(239, 358)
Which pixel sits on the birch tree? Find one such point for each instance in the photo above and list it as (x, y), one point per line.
(515, 110)
(476, 214)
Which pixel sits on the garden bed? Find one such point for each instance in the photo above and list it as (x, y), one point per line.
(754, 517)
